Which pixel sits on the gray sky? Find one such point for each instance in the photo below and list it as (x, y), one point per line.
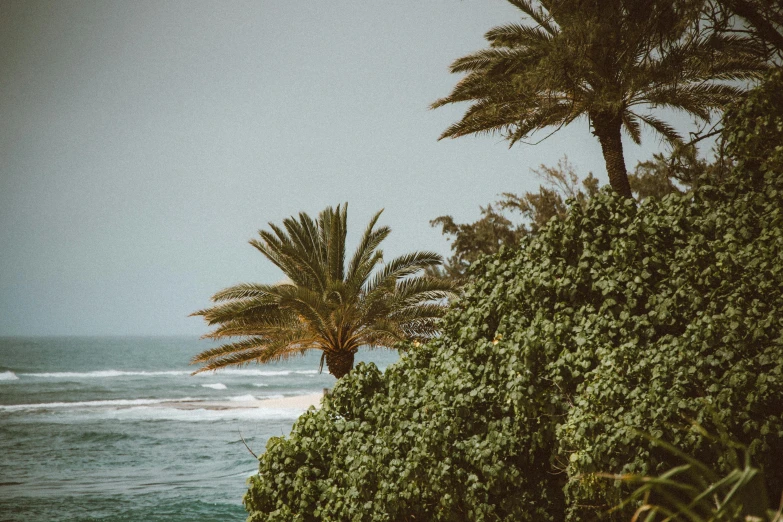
(142, 144)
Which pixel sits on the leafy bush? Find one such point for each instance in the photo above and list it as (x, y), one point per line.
(754, 130)
(615, 320)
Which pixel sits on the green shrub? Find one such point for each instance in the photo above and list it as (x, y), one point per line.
(616, 320)
(754, 130)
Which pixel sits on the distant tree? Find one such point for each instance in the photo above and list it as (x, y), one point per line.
(473, 240)
(326, 306)
(561, 183)
(679, 171)
(607, 60)
(469, 241)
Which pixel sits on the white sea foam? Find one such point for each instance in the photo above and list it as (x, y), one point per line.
(104, 374)
(163, 412)
(216, 386)
(89, 404)
(8, 376)
(260, 384)
(101, 374)
(257, 373)
(254, 373)
(242, 398)
(277, 396)
(205, 415)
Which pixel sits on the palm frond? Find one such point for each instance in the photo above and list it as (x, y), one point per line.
(244, 291)
(259, 354)
(554, 114)
(231, 348)
(510, 35)
(332, 226)
(256, 309)
(400, 267)
(474, 86)
(417, 312)
(286, 256)
(631, 125)
(270, 325)
(309, 306)
(365, 258)
(698, 100)
(661, 127)
(481, 60)
(424, 288)
(537, 15)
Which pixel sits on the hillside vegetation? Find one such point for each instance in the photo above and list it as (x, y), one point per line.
(620, 318)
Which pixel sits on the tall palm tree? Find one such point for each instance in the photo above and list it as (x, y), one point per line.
(326, 306)
(607, 60)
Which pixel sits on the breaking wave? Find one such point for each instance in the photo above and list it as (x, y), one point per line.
(101, 374)
(89, 404)
(242, 398)
(98, 374)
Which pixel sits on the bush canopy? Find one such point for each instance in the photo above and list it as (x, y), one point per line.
(618, 319)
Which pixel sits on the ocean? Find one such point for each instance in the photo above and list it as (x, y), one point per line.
(106, 428)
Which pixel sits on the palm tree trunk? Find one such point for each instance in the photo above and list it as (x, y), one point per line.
(339, 363)
(607, 129)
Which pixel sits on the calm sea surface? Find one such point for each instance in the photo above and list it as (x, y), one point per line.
(97, 429)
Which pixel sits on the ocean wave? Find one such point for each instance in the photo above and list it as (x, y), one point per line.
(160, 412)
(102, 374)
(8, 376)
(253, 398)
(242, 398)
(257, 373)
(90, 404)
(216, 386)
(98, 374)
(206, 415)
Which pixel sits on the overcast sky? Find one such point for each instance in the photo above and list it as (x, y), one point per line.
(142, 144)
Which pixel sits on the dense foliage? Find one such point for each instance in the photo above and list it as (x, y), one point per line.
(620, 318)
(495, 228)
(754, 131)
(662, 175)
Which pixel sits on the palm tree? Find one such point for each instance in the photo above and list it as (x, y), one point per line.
(325, 305)
(608, 60)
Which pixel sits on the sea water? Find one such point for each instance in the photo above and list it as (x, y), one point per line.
(112, 428)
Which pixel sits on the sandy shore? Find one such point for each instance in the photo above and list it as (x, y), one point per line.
(299, 402)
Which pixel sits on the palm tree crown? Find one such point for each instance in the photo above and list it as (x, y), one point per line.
(608, 60)
(326, 305)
